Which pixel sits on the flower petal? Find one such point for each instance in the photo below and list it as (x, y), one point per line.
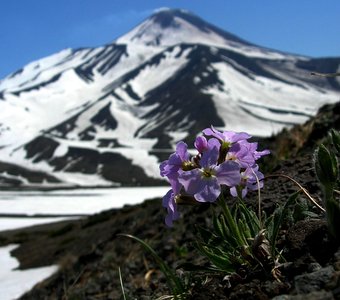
(191, 181)
(171, 206)
(209, 192)
(201, 144)
(213, 132)
(228, 173)
(210, 156)
(182, 151)
(163, 168)
(233, 137)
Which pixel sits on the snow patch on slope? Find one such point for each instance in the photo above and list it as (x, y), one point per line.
(14, 282)
(43, 69)
(262, 111)
(154, 75)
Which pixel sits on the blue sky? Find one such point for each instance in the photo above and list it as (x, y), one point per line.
(32, 29)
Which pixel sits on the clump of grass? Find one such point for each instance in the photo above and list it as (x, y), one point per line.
(175, 284)
(327, 170)
(121, 283)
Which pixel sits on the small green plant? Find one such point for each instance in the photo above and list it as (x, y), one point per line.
(121, 283)
(176, 285)
(237, 243)
(327, 170)
(240, 240)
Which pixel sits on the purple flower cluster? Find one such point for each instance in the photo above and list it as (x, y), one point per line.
(223, 158)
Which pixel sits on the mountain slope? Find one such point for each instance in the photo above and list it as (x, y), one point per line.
(102, 116)
(92, 244)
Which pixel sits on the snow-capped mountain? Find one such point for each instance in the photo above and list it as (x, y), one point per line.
(106, 115)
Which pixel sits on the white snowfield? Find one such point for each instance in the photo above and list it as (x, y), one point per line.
(13, 282)
(67, 203)
(9, 223)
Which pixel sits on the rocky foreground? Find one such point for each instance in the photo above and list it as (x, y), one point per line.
(90, 252)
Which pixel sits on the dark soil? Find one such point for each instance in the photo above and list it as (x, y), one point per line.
(90, 251)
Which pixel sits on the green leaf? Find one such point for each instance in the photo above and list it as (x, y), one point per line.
(226, 230)
(231, 220)
(333, 217)
(174, 282)
(222, 230)
(208, 237)
(326, 166)
(335, 136)
(205, 234)
(217, 257)
(121, 283)
(244, 228)
(251, 219)
(276, 221)
(301, 211)
(218, 227)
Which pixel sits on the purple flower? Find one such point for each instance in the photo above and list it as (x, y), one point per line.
(204, 183)
(169, 203)
(228, 137)
(223, 158)
(172, 167)
(240, 153)
(252, 148)
(176, 160)
(201, 144)
(248, 181)
(259, 154)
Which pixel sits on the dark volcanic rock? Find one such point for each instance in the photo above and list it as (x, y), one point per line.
(18, 175)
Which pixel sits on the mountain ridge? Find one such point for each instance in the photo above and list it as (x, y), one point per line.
(168, 18)
(128, 102)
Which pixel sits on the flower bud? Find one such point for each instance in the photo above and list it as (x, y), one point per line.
(201, 144)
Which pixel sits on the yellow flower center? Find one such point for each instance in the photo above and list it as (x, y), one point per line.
(208, 173)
